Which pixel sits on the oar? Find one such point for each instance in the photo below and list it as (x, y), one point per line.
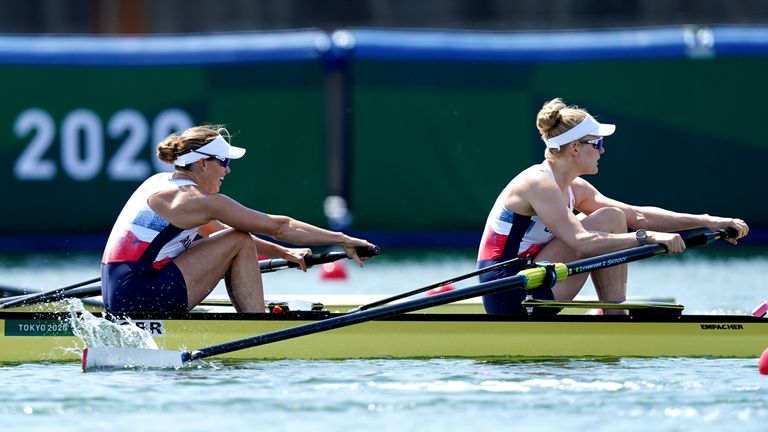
(274, 264)
(52, 295)
(9, 291)
(101, 357)
(439, 284)
(267, 266)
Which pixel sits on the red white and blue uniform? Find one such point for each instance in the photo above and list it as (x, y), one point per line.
(508, 235)
(138, 273)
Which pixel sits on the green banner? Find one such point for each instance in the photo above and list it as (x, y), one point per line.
(78, 140)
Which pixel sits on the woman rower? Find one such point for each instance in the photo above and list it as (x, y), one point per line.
(153, 262)
(534, 215)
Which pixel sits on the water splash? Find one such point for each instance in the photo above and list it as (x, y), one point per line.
(100, 332)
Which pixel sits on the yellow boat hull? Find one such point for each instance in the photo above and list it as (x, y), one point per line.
(32, 337)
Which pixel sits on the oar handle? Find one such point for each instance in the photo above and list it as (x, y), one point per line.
(692, 238)
(274, 264)
(702, 236)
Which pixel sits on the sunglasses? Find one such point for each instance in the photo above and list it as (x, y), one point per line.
(596, 143)
(222, 160)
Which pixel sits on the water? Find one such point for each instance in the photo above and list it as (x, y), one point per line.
(410, 395)
(394, 395)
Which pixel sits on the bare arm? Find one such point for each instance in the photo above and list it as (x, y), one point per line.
(194, 207)
(653, 218)
(265, 248)
(282, 228)
(546, 201)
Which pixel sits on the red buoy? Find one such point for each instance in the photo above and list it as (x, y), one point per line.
(440, 289)
(762, 365)
(761, 309)
(334, 271)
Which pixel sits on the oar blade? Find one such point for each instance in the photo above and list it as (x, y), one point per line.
(99, 358)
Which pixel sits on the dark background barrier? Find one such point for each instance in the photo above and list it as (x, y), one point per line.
(418, 130)
(81, 118)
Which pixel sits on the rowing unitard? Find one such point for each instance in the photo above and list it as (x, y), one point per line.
(137, 269)
(508, 235)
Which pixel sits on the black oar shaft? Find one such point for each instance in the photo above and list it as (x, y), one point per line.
(359, 317)
(442, 283)
(74, 291)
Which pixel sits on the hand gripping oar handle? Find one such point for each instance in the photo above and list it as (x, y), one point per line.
(692, 238)
(275, 264)
(528, 279)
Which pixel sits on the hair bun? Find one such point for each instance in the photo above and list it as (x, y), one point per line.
(549, 115)
(169, 149)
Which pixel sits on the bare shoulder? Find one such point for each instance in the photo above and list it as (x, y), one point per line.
(583, 189)
(180, 198)
(526, 188)
(535, 179)
(580, 182)
(186, 207)
(211, 204)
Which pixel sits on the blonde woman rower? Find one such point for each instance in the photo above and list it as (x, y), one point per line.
(534, 216)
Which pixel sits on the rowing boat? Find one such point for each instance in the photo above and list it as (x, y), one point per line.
(405, 330)
(35, 336)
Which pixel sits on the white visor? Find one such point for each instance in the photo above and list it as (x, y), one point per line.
(219, 147)
(588, 126)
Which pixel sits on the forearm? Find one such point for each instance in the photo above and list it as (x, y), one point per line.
(269, 249)
(297, 232)
(659, 219)
(591, 243)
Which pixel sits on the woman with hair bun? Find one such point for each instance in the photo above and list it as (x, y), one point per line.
(154, 260)
(535, 215)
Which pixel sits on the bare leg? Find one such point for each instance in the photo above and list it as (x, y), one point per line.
(610, 283)
(208, 260)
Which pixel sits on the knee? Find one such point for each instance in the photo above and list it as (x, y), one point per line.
(607, 219)
(245, 239)
(240, 240)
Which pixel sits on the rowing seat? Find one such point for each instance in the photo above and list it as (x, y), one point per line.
(294, 305)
